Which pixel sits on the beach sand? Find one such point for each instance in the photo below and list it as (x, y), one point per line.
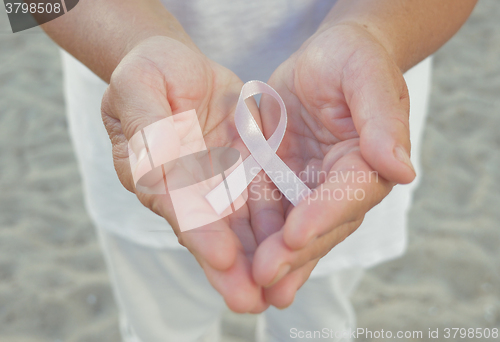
(53, 282)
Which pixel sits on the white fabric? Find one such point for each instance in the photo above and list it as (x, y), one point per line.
(163, 295)
(251, 38)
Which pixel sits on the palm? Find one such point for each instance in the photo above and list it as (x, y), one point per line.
(319, 118)
(326, 89)
(315, 84)
(162, 78)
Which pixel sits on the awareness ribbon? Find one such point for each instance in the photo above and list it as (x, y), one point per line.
(262, 154)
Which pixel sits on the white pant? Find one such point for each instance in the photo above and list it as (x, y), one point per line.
(163, 295)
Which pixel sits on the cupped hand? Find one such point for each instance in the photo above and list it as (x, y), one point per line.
(161, 77)
(348, 111)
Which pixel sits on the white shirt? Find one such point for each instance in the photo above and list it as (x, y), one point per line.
(251, 38)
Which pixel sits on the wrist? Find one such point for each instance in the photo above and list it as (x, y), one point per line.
(101, 33)
(175, 32)
(377, 34)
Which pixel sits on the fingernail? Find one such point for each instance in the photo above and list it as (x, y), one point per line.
(282, 271)
(403, 156)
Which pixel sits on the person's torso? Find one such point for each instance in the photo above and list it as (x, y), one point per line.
(252, 38)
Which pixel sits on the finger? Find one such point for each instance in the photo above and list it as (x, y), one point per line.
(378, 99)
(273, 259)
(215, 243)
(351, 189)
(240, 224)
(282, 293)
(236, 285)
(266, 208)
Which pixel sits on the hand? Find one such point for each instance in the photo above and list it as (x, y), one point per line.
(348, 109)
(162, 77)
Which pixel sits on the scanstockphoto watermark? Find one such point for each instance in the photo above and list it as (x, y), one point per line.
(327, 333)
(347, 185)
(430, 333)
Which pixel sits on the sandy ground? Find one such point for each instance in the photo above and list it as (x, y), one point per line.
(53, 284)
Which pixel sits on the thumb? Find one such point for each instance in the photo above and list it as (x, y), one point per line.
(379, 102)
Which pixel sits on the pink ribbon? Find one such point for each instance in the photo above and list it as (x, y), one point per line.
(262, 155)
